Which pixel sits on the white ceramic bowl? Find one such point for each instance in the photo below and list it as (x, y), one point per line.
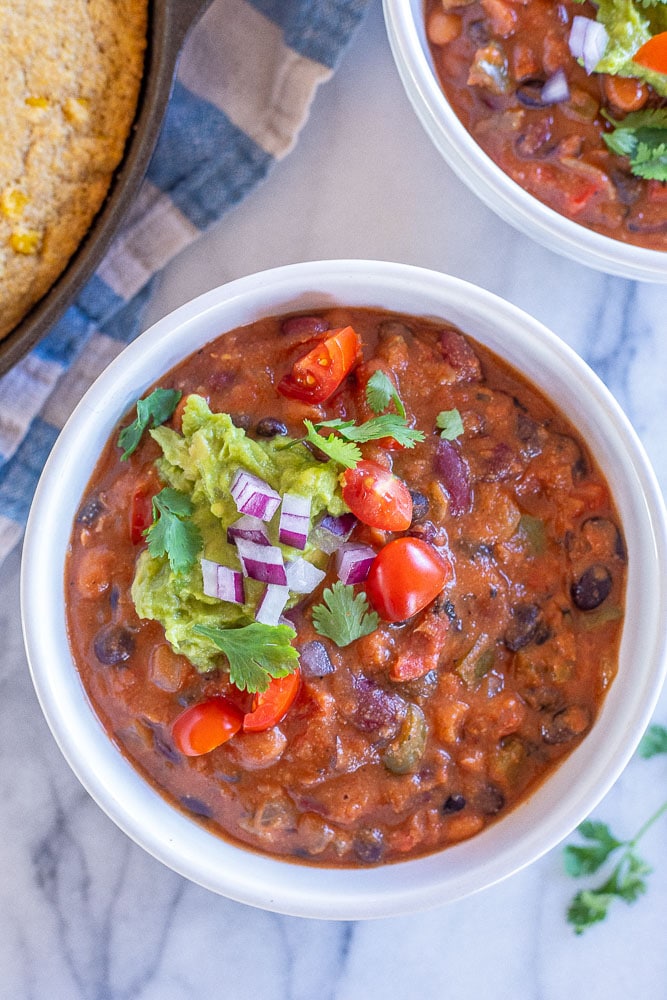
(407, 37)
(556, 807)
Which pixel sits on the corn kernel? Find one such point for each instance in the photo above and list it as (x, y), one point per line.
(37, 102)
(12, 203)
(26, 241)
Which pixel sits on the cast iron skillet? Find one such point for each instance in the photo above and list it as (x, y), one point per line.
(169, 22)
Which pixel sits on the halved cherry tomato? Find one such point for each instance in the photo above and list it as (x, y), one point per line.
(270, 706)
(406, 575)
(377, 497)
(141, 512)
(653, 54)
(203, 727)
(317, 375)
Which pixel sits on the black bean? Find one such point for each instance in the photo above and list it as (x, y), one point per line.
(114, 597)
(592, 588)
(369, 845)
(315, 660)
(89, 512)
(479, 33)
(443, 606)
(604, 536)
(420, 506)
(453, 804)
(269, 427)
(490, 800)
(242, 420)
(529, 93)
(628, 188)
(114, 644)
(524, 626)
(566, 724)
(196, 806)
(163, 744)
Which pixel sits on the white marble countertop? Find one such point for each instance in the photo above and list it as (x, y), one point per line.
(87, 915)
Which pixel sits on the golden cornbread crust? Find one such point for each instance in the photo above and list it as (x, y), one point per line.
(70, 72)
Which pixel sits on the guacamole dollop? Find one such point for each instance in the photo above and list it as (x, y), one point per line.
(201, 462)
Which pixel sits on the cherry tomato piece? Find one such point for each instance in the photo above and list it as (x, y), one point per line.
(203, 727)
(316, 376)
(270, 706)
(653, 53)
(377, 497)
(141, 512)
(406, 575)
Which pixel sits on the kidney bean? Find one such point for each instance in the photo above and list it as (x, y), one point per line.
(454, 474)
(458, 353)
(376, 709)
(592, 588)
(315, 660)
(303, 326)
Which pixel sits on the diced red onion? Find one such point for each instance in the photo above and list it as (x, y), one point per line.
(271, 604)
(253, 496)
(294, 520)
(588, 41)
(222, 582)
(250, 528)
(314, 660)
(330, 532)
(353, 562)
(556, 88)
(262, 562)
(302, 576)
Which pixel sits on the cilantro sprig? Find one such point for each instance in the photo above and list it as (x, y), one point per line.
(642, 137)
(626, 879)
(151, 412)
(344, 616)
(381, 393)
(172, 533)
(450, 424)
(255, 652)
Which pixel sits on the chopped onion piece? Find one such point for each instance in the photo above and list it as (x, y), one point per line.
(314, 660)
(262, 562)
(222, 582)
(271, 605)
(302, 576)
(250, 528)
(588, 41)
(294, 520)
(253, 496)
(556, 88)
(330, 532)
(353, 562)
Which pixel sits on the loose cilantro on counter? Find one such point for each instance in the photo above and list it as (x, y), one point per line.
(255, 652)
(344, 616)
(627, 879)
(152, 411)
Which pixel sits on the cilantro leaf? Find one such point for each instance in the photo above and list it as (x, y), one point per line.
(588, 907)
(170, 533)
(344, 616)
(255, 652)
(381, 392)
(151, 412)
(449, 424)
(584, 860)
(653, 742)
(344, 452)
(386, 425)
(642, 137)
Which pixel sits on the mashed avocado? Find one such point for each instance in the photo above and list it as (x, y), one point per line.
(629, 24)
(201, 462)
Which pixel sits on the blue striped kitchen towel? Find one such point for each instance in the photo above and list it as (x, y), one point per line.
(247, 76)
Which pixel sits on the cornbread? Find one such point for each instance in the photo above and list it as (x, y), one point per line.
(69, 84)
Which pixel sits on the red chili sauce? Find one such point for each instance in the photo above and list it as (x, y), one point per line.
(422, 732)
(493, 58)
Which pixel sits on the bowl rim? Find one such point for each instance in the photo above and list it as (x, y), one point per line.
(407, 39)
(179, 842)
